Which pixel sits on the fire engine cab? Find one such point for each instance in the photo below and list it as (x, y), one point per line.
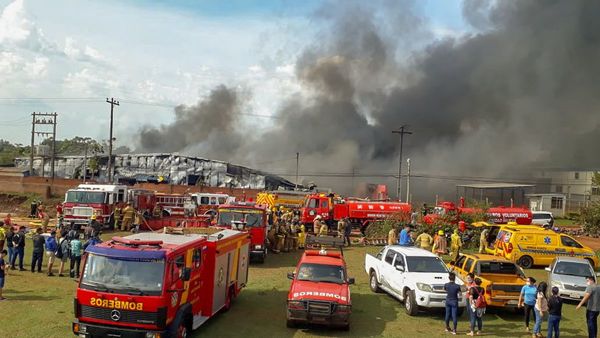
(93, 199)
(152, 285)
(248, 217)
(320, 290)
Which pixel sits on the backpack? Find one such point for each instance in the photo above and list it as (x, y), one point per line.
(480, 302)
(59, 251)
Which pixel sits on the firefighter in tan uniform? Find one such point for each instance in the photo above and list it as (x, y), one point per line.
(392, 238)
(323, 230)
(281, 234)
(317, 225)
(128, 215)
(272, 237)
(117, 217)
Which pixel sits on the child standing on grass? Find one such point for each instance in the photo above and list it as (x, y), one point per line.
(2, 272)
(555, 313)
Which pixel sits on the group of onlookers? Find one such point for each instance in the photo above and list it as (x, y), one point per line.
(534, 299)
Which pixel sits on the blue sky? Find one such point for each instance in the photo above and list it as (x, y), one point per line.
(159, 52)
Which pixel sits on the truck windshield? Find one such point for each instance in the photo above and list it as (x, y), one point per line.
(252, 218)
(321, 273)
(573, 269)
(505, 268)
(123, 275)
(425, 264)
(85, 197)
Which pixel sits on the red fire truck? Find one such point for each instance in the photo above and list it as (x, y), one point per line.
(93, 199)
(247, 217)
(159, 284)
(332, 209)
(320, 290)
(499, 215)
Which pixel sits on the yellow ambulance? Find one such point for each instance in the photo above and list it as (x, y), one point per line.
(529, 246)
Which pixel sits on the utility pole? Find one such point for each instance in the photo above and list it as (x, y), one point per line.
(408, 181)
(85, 162)
(43, 121)
(297, 167)
(32, 145)
(402, 132)
(112, 103)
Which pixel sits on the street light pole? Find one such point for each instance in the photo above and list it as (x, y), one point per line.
(402, 132)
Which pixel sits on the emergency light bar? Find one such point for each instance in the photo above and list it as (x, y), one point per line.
(135, 242)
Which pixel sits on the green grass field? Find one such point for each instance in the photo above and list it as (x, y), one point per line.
(41, 306)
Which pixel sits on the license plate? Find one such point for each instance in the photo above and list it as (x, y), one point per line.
(512, 302)
(575, 295)
(319, 319)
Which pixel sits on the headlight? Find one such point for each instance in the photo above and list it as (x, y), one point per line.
(296, 305)
(152, 335)
(424, 287)
(82, 328)
(68, 211)
(343, 308)
(258, 247)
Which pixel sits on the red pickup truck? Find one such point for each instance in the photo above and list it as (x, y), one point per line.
(320, 290)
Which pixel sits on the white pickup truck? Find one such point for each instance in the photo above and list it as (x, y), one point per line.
(412, 275)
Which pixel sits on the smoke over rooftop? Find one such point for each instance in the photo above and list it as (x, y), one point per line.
(520, 92)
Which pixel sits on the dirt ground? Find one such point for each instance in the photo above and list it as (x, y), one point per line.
(592, 242)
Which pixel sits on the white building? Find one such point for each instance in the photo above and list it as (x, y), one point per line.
(552, 202)
(575, 185)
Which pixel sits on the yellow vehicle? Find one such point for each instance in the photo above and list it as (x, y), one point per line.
(501, 279)
(529, 246)
(493, 229)
(285, 199)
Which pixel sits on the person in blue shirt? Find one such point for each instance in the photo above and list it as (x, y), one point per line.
(95, 239)
(405, 239)
(51, 247)
(452, 292)
(527, 299)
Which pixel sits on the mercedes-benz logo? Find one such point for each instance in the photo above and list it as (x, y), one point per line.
(115, 315)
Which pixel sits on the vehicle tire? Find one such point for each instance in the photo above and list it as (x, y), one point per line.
(165, 213)
(290, 323)
(228, 300)
(261, 258)
(180, 328)
(410, 303)
(373, 284)
(525, 262)
(591, 263)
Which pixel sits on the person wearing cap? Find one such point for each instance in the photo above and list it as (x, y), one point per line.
(439, 244)
(51, 247)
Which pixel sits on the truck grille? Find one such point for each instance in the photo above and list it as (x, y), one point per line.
(574, 287)
(320, 308)
(126, 316)
(77, 211)
(511, 288)
(438, 288)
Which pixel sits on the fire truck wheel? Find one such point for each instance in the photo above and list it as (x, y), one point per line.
(525, 262)
(229, 299)
(181, 327)
(373, 282)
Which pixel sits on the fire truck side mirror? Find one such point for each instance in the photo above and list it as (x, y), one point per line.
(185, 274)
(290, 275)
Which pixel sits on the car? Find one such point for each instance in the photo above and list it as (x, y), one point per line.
(569, 274)
(501, 279)
(544, 218)
(320, 289)
(529, 246)
(412, 275)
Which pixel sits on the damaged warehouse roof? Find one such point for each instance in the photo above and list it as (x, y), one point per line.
(175, 168)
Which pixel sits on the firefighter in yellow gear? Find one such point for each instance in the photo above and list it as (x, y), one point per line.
(281, 234)
(317, 225)
(439, 244)
(302, 237)
(128, 215)
(455, 245)
(483, 241)
(272, 237)
(392, 238)
(117, 217)
(424, 241)
(323, 230)
(341, 228)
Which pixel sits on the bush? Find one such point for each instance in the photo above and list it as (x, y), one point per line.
(590, 218)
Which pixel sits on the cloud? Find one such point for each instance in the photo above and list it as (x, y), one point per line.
(87, 53)
(16, 29)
